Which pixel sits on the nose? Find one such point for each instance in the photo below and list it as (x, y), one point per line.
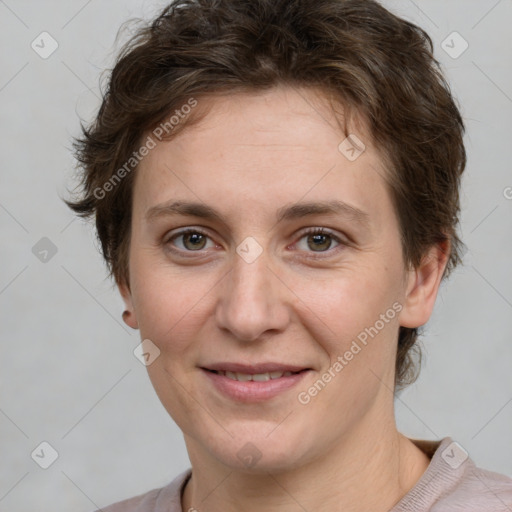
(253, 300)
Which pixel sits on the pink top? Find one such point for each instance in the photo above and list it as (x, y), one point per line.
(451, 483)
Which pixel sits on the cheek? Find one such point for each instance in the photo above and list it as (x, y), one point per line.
(169, 302)
(347, 300)
(354, 316)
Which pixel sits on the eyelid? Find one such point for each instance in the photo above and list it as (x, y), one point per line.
(319, 230)
(183, 231)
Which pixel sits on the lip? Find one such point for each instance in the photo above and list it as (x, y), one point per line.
(254, 391)
(254, 368)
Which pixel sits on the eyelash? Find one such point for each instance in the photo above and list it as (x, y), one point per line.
(308, 231)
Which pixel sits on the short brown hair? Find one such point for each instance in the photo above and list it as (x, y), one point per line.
(356, 51)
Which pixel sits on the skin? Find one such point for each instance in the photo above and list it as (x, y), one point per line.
(251, 155)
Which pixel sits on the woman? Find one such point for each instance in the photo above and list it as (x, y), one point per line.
(276, 189)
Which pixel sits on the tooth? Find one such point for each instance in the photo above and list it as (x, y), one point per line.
(258, 377)
(261, 377)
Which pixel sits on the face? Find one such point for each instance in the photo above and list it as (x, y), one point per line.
(290, 261)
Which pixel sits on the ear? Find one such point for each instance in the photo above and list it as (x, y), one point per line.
(129, 316)
(422, 286)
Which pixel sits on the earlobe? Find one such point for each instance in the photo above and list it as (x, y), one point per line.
(129, 317)
(423, 285)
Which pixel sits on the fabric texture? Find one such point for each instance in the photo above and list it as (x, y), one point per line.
(451, 483)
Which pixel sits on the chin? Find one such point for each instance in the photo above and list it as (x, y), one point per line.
(262, 449)
(252, 460)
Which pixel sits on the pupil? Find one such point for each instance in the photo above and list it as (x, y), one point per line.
(195, 238)
(319, 238)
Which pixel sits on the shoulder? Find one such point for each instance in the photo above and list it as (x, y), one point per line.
(453, 483)
(161, 499)
(480, 490)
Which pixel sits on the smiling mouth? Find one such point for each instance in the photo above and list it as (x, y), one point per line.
(253, 383)
(257, 377)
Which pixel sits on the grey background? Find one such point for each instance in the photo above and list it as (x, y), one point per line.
(69, 376)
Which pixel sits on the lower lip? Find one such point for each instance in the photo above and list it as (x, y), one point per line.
(253, 391)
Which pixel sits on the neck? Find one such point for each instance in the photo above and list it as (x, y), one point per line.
(366, 470)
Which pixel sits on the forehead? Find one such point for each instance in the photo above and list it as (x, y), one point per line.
(275, 147)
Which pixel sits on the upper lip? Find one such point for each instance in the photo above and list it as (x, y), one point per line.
(254, 368)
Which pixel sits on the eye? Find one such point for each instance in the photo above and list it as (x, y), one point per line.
(193, 239)
(319, 240)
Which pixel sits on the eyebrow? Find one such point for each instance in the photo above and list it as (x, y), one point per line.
(286, 213)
